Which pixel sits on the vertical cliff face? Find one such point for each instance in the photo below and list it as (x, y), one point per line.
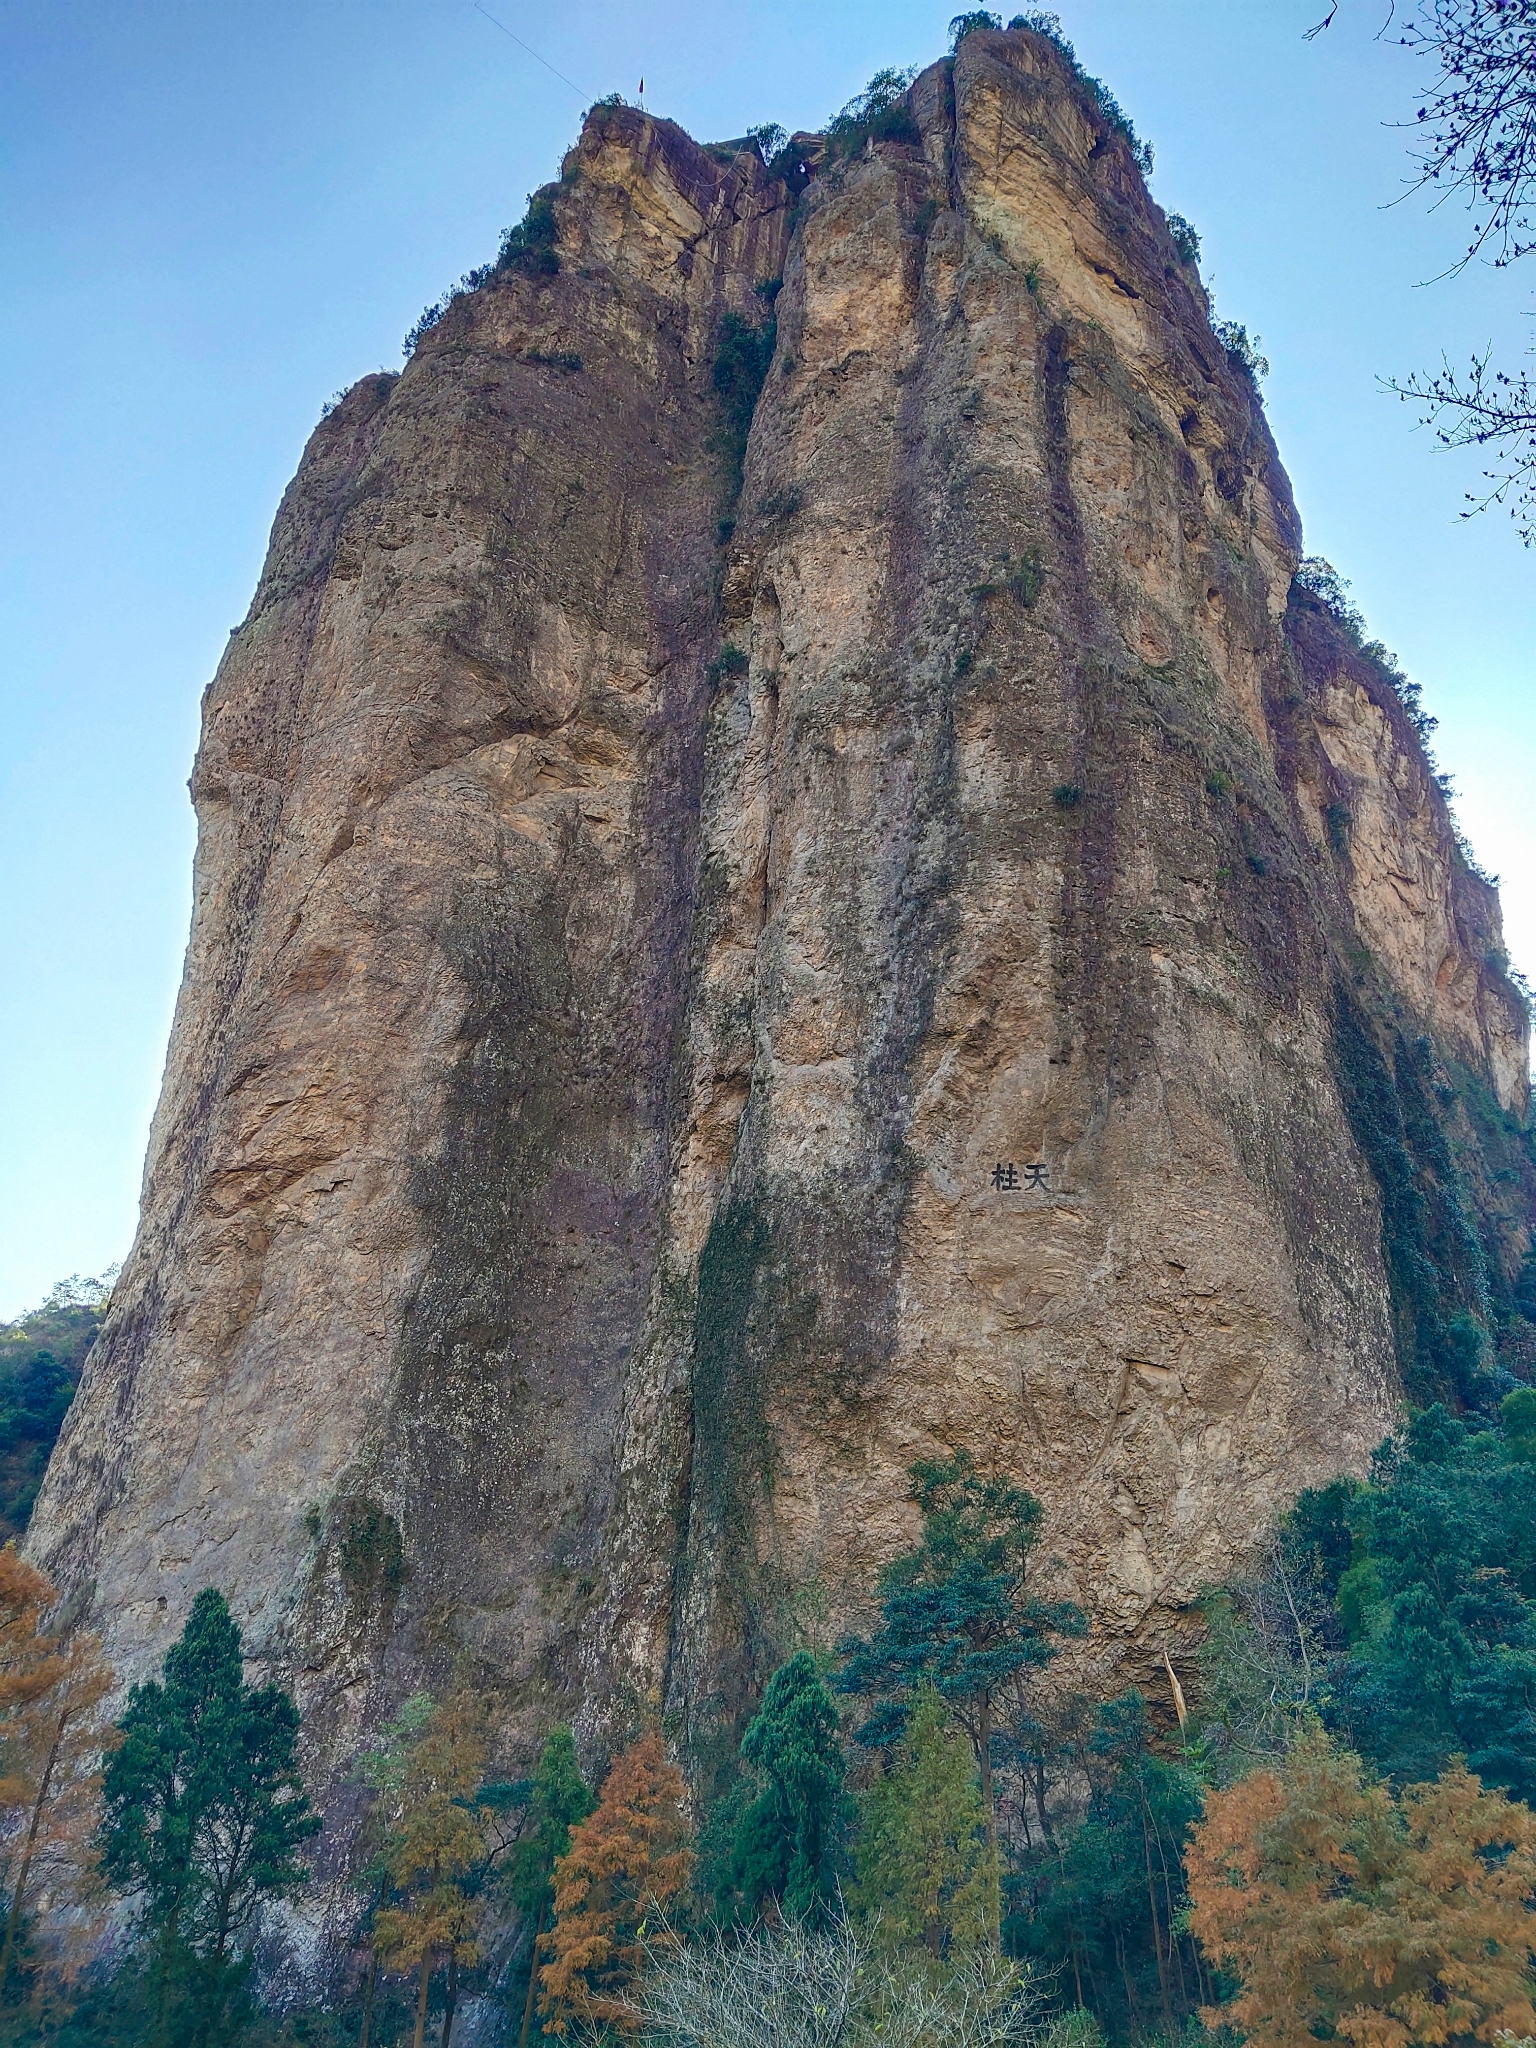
(717, 974)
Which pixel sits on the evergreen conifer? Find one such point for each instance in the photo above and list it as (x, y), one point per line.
(956, 1612)
(788, 1843)
(926, 1872)
(204, 1815)
(559, 1799)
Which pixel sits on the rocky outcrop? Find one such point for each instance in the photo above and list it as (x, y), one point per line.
(719, 971)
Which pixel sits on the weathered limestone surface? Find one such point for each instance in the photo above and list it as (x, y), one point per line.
(573, 1204)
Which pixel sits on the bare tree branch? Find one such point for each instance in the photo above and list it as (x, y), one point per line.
(1491, 409)
(1478, 122)
(1476, 131)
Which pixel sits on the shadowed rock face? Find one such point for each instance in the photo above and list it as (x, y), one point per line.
(684, 1017)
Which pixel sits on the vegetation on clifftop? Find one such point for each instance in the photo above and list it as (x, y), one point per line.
(1043, 22)
(42, 1355)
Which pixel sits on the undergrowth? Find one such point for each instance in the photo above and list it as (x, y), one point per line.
(878, 114)
(743, 354)
(528, 247)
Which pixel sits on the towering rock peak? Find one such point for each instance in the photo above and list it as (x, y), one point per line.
(726, 961)
(642, 200)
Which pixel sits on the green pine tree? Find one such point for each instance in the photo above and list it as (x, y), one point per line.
(204, 1814)
(788, 1842)
(956, 1612)
(926, 1872)
(559, 1799)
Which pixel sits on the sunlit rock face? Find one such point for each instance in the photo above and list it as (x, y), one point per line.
(717, 973)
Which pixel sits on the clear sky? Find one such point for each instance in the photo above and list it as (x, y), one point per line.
(215, 213)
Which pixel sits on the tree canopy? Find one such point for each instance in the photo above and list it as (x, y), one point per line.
(956, 1612)
(42, 1355)
(926, 1871)
(788, 1844)
(1430, 1574)
(559, 1799)
(1347, 1913)
(205, 1815)
(628, 1860)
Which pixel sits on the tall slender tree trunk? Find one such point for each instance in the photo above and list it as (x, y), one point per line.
(989, 1813)
(167, 1950)
(370, 1983)
(1037, 1777)
(1171, 1911)
(368, 1987)
(13, 1918)
(1157, 1930)
(420, 2034)
(1125, 1978)
(984, 1758)
(1100, 2002)
(215, 1992)
(1080, 1935)
(453, 1995)
(533, 1977)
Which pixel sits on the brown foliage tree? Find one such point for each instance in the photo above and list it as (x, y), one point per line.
(51, 1743)
(436, 1840)
(627, 1861)
(1341, 1910)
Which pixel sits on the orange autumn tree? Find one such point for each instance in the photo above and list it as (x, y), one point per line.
(627, 1861)
(52, 1737)
(1343, 1911)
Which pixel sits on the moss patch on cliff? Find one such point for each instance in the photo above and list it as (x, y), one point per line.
(731, 1442)
(511, 1349)
(731, 1471)
(743, 356)
(370, 1555)
(1436, 1267)
(1496, 1155)
(511, 1101)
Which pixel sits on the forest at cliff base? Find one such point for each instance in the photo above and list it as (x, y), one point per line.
(1313, 1825)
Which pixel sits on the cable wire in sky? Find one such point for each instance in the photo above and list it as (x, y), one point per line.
(533, 53)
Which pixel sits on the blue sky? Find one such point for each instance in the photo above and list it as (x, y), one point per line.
(214, 215)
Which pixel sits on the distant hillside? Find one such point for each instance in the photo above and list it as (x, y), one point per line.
(41, 1358)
